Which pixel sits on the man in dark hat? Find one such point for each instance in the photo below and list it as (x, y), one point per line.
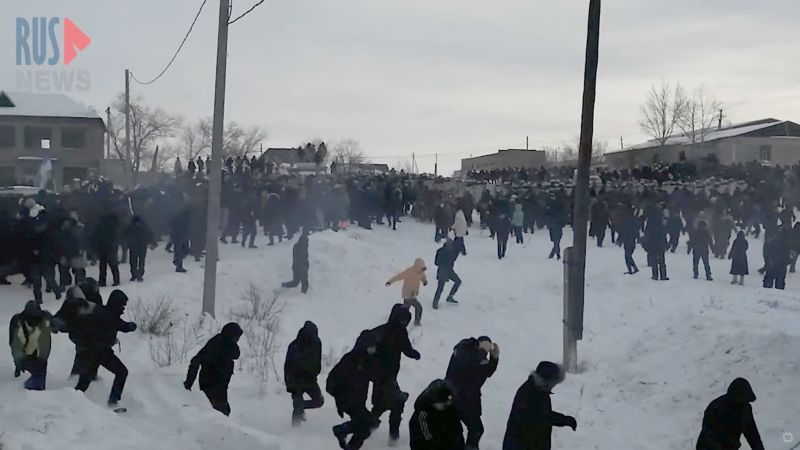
(728, 418)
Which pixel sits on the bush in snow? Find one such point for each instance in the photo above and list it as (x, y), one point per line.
(175, 346)
(259, 318)
(155, 319)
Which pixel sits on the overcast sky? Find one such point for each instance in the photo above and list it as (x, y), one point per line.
(454, 77)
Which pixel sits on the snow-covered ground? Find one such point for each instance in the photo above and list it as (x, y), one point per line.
(653, 355)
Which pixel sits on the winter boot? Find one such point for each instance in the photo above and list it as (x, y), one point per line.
(341, 436)
(450, 299)
(741, 280)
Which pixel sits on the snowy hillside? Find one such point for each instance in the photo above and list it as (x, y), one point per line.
(653, 355)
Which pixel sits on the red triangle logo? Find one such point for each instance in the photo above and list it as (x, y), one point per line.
(74, 39)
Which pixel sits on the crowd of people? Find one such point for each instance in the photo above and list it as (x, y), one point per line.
(59, 237)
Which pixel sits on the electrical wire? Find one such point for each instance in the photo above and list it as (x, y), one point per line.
(180, 47)
(246, 12)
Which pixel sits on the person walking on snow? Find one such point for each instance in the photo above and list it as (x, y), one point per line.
(411, 278)
(530, 424)
(29, 338)
(518, 221)
(701, 245)
(445, 260)
(738, 257)
(460, 230)
(728, 418)
(215, 364)
(300, 264)
(503, 230)
(303, 365)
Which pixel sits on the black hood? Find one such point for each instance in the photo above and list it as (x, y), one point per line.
(439, 391)
(741, 391)
(400, 315)
(117, 301)
(308, 333)
(366, 339)
(232, 330)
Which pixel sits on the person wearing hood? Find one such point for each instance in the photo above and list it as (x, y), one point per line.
(138, 236)
(728, 418)
(215, 362)
(411, 278)
(435, 424)
(518, 221)
(29, 338)
(97, 349)
(303, 365)
(348, 384)
(445, 260)
(392, 338)
(460, 230)
(738, 257)
(472, 363)
(300, 264)
(530, 424)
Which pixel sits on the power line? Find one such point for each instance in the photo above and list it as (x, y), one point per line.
(246, 12)
(180, 47)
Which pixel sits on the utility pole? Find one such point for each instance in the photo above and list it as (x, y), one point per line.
(621, 143)
(527, 143)
(128, 124)
(436, 166)
(215, 182)
(575, 284)
(108, 133)
(720, 120)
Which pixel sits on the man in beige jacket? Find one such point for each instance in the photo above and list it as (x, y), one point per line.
(411, 278)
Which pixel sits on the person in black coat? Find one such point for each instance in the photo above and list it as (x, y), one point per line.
(99, 335)
(738, 257)
(656, 244)
(106, 242)
(445, 260)
(777, 258)
(138, 237)
(530, 424)
(472, 363)
(435, 424)
(179, 235)
(348, 384)
(300, 264)
(674, 227)
(556, 218)
(392, 338)
(629, 235)
(503, 229)
(599, 221)
(728, 418)
(303, 365)
(701, 246)
(215, 364)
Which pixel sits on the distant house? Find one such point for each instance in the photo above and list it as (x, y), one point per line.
(505, 159)
(767, 140)
(35, 128)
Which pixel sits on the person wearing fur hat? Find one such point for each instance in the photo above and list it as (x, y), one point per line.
(530, 424)
(411, 278)
(435, 424)
(215, 364)
(29, 338)
(472, 363)
(303, 365)
(728, 418)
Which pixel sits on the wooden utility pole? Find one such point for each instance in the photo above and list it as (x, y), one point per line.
(436, 166)
(108, 133)
(621, 143)
(575, 285)
(128, 124)
(215, 178)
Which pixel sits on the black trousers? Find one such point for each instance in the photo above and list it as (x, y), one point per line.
(359, 426)
(180, 252)
(674, 239)
(518, 234)
(219, 399)
(300, 404)
(629, 262)
(440, 287)
(502, 245)
(46, 271)
(696, 258)
(137, 257)
(300, 277)
(88, 362)
(469, 412)
(658, 265)
(387, 396)
(108, 258)
(775, 275)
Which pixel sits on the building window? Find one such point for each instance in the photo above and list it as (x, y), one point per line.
(73, 138)
(38, 137)
(8, 136)
(766, 153)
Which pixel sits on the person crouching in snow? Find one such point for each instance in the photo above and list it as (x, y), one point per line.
(300, 264)
(215, 364)
(412, 277)
(435, 424)
(531, 422)
(303, 365)
(729, 417)
(29, 337)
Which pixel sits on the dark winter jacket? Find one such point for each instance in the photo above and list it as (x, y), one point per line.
(445, 261)
(729, 417)
(738, 256)
(103, 324)
(701, 241)
(532, 418)
(432, 428)
(655, 234)
(348, 381)
(502, 226)
(300, 255)
(303, 359)
(392, 338)
(215, 360)
(137, 234)
(629, 231)
(467, 372)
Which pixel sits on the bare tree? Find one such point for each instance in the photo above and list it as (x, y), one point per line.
(195, 139)
(700, 113)
(149, 127)
(347, 153)
(552, 155)
(662, 111)
(599, 150)
(240, 141)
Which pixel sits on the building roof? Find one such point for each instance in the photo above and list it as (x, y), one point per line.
(509, 150)
(28, 104)
(714, 134)
(282, 155)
